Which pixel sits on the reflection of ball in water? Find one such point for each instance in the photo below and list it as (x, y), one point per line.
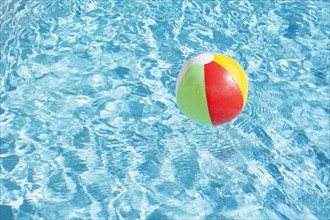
(211, 89)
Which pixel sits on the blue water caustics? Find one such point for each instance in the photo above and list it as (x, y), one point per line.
(90, 128)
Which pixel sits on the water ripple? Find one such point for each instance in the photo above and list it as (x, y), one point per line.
(90, 127)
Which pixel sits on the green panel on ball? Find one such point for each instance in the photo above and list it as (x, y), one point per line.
(191, 96)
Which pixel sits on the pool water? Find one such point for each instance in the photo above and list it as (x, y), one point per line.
(90, 128)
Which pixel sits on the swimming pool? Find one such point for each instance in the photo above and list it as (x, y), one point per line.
(90, 128)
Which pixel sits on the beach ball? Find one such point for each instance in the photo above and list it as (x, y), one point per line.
(211, 89)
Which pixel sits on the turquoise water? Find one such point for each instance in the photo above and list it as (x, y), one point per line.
(90, 128)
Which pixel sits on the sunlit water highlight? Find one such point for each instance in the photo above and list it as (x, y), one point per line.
(90, 128)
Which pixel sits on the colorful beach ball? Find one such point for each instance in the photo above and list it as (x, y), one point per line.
(211, 89)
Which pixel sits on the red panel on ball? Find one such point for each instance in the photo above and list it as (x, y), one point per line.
(224, 97)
